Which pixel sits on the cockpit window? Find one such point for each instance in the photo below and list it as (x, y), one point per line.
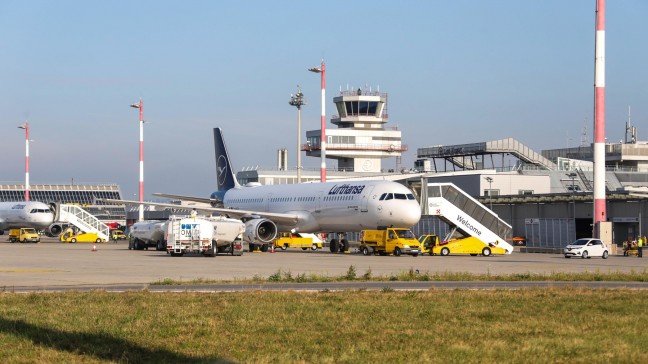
(382, 197)
(410, 196)
(389, 196)
(400, 196)
(37, 211)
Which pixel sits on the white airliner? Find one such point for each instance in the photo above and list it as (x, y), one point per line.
(30, 214)
(334, 207)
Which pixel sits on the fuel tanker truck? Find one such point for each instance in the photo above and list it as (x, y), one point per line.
(183, 234)
(148, 233)
(208, 236)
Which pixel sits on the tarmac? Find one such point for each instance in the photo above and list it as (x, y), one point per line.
(51, 264)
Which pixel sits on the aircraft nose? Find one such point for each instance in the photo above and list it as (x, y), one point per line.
(412, 215)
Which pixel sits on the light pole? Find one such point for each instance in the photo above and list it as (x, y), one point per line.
(490, 191)
(140, 106)
(322, 71)
(573, 175)
(298, 101)
(26, 127)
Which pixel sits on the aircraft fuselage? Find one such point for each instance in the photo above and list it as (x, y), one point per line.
(332, 206)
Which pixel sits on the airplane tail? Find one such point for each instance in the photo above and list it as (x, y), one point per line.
(225, 178)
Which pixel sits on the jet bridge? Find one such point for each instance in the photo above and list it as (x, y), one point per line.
(467, 216)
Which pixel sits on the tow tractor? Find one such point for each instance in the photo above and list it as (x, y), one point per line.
(428, 241)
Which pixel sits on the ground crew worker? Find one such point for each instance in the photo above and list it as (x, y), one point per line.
(640, 244)
(625, 248)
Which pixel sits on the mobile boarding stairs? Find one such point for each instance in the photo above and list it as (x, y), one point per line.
(82, 219)
(468, 216)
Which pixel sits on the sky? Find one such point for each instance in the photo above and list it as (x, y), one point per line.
(456, 71)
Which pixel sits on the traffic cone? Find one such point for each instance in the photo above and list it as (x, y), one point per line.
(271, 248)
(94, 247)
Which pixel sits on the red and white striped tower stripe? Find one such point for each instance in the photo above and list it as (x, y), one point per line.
(599, 118)
(140, 106)
(26, 160)
(141, 161)
(323, 122)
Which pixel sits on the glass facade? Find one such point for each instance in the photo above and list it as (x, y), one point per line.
(84, 195)
(361, 108)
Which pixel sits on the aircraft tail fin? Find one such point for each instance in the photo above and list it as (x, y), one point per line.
(225, 178)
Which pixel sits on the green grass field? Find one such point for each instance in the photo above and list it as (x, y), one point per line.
(550, 325)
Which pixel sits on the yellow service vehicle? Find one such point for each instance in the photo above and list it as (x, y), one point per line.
(84, 238)
(469, 245)
(428, 241)
(24, 235)
(117, 235)
(288, 240)
(394, 241)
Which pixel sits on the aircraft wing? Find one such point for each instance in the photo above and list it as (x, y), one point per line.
(185, 198)
(278, 218)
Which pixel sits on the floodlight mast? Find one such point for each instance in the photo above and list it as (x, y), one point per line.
(573, 176)
(298, 101)
(490, 191)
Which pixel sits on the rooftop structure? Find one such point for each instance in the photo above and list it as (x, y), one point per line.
(361, 140)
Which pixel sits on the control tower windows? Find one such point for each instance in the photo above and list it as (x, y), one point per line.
(340, 139)
(361, 108)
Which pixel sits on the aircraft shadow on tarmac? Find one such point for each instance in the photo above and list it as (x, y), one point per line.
(98, 345)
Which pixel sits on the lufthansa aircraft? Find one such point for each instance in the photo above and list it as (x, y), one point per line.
(30, 214)
(334, 207)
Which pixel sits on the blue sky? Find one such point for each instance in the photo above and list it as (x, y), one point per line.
(458, 71)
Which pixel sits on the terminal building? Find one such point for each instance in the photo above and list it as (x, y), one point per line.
(83, 195)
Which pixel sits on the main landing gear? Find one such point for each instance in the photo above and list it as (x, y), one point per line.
(339, 243)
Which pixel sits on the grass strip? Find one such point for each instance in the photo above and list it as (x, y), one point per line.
(545, 325)
(282, 276)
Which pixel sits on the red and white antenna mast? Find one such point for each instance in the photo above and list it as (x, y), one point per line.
(599, 118)
(140, 106)
(322, 71)
(26, 127)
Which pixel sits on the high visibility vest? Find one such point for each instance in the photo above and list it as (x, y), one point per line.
(640, 242)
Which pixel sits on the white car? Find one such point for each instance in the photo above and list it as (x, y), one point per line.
(586, 248)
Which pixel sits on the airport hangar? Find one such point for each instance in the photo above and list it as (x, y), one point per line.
(546, 197)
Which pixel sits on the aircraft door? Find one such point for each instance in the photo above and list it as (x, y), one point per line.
(366, 196)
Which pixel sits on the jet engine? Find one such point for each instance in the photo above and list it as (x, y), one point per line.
(260, 231)
(56, 229)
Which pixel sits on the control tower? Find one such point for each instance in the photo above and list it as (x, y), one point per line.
(361, 140)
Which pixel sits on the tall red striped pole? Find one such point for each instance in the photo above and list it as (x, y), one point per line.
(322, 71)
(26, 127)
(140, 106)
(599, 118)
